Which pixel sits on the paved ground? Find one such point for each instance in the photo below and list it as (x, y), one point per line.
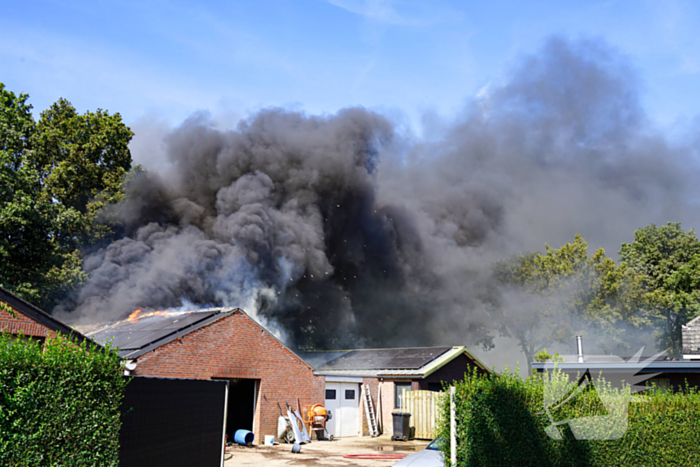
(323, 453)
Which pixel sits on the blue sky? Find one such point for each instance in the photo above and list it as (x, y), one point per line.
(164, 60)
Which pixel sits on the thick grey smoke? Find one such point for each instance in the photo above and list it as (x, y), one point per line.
(343, 233)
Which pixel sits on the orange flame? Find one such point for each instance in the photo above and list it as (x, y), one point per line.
(138, 314)
(133, 317)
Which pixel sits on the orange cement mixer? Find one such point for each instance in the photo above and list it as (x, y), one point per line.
(316, 417)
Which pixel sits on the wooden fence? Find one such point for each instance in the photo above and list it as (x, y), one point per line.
(423, 407)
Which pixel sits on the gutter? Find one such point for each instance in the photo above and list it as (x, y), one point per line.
(651, 367)
(423, 372)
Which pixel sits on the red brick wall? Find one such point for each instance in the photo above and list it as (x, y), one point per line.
(21, 323)
(236, 347)
(387, 406)
(388, 402)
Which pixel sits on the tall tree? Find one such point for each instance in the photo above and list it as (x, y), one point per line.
(548, 298)
(666, 259)
(80, 156)
(56, 176)
(24, 226)
(16, 124)
(681, 298)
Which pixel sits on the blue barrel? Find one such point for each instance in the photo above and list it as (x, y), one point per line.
(243, 437)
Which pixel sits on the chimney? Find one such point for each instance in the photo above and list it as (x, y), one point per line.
(579, 348)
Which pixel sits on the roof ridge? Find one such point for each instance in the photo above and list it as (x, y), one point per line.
(387, 348)
(38, 315)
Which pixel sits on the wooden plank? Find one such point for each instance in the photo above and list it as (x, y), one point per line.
(422, 405)
(420, 417)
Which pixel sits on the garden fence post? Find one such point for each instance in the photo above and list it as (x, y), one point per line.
(453, 429)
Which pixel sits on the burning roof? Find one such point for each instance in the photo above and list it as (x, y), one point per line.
(142, 331)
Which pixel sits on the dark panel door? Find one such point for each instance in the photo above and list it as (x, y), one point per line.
(172, 423)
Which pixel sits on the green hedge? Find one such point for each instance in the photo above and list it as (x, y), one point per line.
(59, 403)
(501, 422)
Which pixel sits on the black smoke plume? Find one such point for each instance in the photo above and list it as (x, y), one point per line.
(341, 231)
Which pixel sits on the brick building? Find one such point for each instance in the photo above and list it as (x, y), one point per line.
(226, 344)
(19, 317)
(220, 344)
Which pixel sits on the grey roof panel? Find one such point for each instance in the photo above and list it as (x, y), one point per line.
(386, 359)
(640, 367)
(177, 321)
(135, 338)
(138, 339)
(135, 326)
(318, 359)
(149, 324)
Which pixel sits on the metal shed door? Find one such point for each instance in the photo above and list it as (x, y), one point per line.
(343, 399)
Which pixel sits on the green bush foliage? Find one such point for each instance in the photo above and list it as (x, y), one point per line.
(59, 403)
(501, 421)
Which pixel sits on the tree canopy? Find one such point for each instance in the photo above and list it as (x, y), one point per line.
(667, 259)
(652, 291)
(549, 298)
(56, 177)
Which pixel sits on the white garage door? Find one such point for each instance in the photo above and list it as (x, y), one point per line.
(343, 399)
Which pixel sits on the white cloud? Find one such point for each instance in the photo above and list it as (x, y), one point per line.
(383, 11)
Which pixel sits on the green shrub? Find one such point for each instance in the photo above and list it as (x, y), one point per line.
(501, 421)
(59, 403)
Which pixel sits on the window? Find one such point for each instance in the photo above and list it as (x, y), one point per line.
(349, 394)
(330, 394)
(398, 389)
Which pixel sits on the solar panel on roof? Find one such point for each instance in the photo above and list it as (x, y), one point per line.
(386, 359)
(188, 319)
(136, 340)
(136, 326)
(128, 335)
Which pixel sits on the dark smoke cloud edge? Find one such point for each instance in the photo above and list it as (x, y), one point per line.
(338, 232)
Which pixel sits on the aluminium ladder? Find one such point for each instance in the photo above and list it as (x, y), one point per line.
(370, 412)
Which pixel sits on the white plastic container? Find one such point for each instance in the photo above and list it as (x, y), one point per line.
(269, 440)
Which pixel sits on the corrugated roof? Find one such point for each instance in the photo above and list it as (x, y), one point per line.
(610, 359)
(653, 366)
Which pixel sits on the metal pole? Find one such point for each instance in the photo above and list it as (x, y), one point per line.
(223, 441)
(453, 429)
(579, 348)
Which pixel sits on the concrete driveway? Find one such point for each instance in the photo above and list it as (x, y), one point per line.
(324, 453)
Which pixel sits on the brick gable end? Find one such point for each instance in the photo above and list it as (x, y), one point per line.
(21, 324)
(236, 347)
